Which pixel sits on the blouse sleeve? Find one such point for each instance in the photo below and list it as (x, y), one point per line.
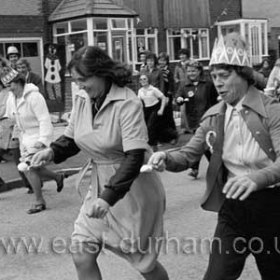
(133, 127)
(63, 148)
(120, 183)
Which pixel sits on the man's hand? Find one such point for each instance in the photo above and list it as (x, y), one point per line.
(98, 209)
(157, 160)
(239, 187)
(180, 100)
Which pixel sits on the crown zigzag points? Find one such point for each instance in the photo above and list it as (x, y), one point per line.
(230, 50)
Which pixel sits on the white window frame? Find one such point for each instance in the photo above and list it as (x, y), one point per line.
(146, 36)
(129, 28)
(260, 23)
(195, 33)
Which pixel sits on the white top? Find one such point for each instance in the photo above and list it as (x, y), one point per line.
(241, 152)
(150, 95)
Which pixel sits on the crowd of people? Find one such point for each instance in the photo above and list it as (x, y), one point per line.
(230, 119)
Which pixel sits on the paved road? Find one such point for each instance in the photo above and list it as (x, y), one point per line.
(185, 225)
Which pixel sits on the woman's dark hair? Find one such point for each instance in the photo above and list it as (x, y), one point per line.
(165, 56)
(152, 56)
(184, 51)
(92, 61)
(243, 71)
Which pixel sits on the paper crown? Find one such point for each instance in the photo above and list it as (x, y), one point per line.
(9, 76)
(230, 50)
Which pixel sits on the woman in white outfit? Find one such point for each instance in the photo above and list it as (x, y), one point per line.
(27, 107)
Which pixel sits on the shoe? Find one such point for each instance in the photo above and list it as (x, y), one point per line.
(60, 183)
(194, 173)
(37, 208)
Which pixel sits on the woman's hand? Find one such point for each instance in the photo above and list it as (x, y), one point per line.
(180, 100)
(98, 209)
(157, 161)
(160, 112)
(41, 157)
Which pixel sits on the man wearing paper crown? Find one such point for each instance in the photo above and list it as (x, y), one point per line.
(242, 132)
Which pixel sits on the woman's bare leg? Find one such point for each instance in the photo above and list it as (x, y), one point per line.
(158, 273)
(35, 182)
(86, 262)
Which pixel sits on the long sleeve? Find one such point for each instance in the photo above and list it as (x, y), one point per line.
(63, 148)
(120, 183)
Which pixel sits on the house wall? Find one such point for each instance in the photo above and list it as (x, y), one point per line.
(269, 9)
(21, 26)
(222, 10)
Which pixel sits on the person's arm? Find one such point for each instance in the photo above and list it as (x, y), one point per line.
(120, 183)
(270, 175)
(63, 148)
(134, 142)
(162, 99)
(39, 107)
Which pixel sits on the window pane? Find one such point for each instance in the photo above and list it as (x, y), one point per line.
(140, 31)
(151, 31)
(100, 40)
(152, 45)
(140, 41)
(195, 53)
(204, 47)
(61, 40)
(118, 23)
(174, 47)
(263, 51)
(61, 27)
(30, 49)
(230, 28)
(99, 23)
(174, 32)
(76, 41)
(78, 25)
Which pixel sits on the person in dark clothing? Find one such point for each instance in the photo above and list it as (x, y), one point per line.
(242, 132)
(198, 95)
(169, 131)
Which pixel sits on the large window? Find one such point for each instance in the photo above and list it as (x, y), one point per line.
(146, 39)
(196, 40)
(26, 49)
(110, 34)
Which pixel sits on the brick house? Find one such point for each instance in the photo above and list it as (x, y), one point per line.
(121, 27)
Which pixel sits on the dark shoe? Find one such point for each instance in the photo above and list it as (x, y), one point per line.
(194, 173)
(60, 183)
(37, 208)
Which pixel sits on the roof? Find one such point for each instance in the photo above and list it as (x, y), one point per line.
(69, 9)
(21, 7)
